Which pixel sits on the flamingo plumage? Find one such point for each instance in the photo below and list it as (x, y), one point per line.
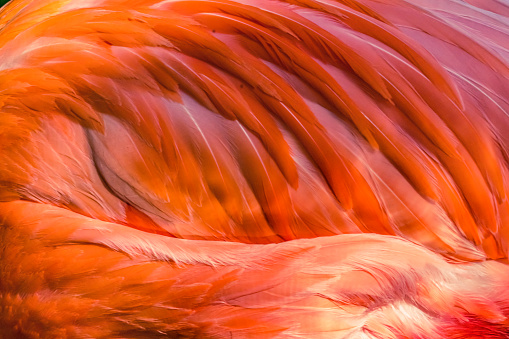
(254, 169)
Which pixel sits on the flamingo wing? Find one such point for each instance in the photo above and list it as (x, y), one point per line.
(254, 168)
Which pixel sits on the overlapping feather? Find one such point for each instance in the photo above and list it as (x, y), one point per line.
(254, 122)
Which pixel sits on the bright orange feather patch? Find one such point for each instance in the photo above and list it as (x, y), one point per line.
(254, 169)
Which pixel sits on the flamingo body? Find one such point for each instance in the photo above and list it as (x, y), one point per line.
(246, 169)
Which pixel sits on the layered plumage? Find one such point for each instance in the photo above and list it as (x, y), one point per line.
(254, 168)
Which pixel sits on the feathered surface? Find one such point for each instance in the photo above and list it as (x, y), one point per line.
(249, 169)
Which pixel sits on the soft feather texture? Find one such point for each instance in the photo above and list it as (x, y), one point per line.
(228, 160)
